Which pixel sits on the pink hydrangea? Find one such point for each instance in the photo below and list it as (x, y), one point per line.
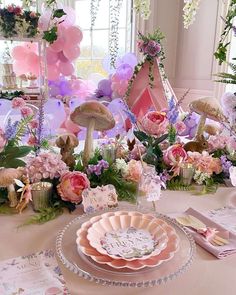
(217, 142)
(155, 123)
(26, 112)
(205, 162)
(18, 103)
(45, 165)
(134, 171)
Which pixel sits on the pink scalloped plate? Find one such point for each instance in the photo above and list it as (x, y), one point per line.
(114, 224)
(165, 255)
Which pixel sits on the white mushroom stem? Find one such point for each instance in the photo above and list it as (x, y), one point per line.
(88, 147)
(201, 125)
(12, 195)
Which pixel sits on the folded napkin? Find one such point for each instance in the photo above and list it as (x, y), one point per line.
(218, 251)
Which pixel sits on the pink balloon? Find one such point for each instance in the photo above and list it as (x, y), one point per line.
(69, 18)
(20, 67)
(73, 35)
(31, 46)
(52, 56)
(66, 69)
(71, 127)
(34, 68)
(58, 45)
(53, 72)
(71, 52)
(31, 58)
(18, 53)
(62, 57)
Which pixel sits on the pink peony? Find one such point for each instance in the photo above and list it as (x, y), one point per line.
(155, 123)
(26, 112)
(174, 155)
(134, 171)
(72, 185)
(180, 127)
(10, 8)
(18, 102)
(33, 124)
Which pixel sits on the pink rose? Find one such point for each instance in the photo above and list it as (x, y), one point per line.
(155, 123)
(33, 124)
(10, 8)
(18, 102)
(174, 154)
(26, 112)
(3, 142)
(32, 140)
(32, 14)
(17, 10)
(134, 171)
(72, 185)
(152, 48)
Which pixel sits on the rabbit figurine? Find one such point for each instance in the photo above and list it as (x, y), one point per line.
(198, 145)
(67, 143)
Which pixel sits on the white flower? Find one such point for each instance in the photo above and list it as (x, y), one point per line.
(190, 10)
(122, 166)
(143, 8)
(232, 172)
(200, 177)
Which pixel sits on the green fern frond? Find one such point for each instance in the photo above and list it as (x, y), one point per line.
(21, 130)
(177, 185)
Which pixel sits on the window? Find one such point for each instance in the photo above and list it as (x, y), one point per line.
(95, 43)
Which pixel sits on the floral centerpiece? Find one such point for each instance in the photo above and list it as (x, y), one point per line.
(17, 22)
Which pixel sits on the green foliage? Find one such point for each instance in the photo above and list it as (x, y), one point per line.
(172, 134)
(126, 190)
(44, 216)
(5, 209)
(9, 157)
(11, 95)
(227, 77)
(154, 155)
(50, 35)
(176, 185)
(58, 13)
(221, 52)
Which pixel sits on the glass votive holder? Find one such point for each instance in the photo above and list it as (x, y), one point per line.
(109, 152)
(41, 194)
(186, 173)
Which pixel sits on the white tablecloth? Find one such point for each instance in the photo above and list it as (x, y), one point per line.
(206, 276)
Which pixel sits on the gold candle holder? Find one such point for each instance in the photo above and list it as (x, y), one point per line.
(186, 173)
(41, 193)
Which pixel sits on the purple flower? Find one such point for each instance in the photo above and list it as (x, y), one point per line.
(173, 112)
(11, 129)
(152, 48)
(164, 176)
(226, 164)
(98, 168)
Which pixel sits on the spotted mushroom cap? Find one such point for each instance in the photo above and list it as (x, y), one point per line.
(93, 109)
(209, 107)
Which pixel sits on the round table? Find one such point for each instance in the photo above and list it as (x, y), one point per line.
(207, 275)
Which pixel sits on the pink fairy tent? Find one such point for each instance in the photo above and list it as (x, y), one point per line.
(142, 96)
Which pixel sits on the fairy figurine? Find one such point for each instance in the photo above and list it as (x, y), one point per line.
(26, 196)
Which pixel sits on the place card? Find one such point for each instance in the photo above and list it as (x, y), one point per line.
(99, 198)
(34, 274)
